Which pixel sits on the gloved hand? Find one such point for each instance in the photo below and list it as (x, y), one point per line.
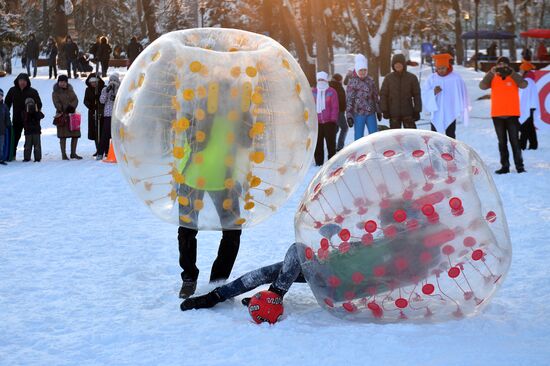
(386, 115)
(379, 116)
(350, 122)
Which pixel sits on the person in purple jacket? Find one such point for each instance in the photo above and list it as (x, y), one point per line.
(326, 101)
(362, 100)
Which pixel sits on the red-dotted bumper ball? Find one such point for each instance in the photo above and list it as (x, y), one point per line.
(403, 225)
(214, 128)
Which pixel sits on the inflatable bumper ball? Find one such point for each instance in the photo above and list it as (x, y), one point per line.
(214, 128)
(403, 225)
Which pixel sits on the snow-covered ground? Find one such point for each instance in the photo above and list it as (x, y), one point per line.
(88, 276)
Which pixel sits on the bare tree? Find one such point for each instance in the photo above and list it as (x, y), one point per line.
(150, 19)
(320, 34)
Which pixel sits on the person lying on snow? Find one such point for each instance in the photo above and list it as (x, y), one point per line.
(361, 257)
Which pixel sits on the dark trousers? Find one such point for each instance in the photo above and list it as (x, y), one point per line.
(32, 142)
(222, 266)
(2, 140)
(105, 136)
(231, 239)
(33, 61)
(17, 132)
(528, 132)
(327, 133)
(104, 67)
(405, 122)
(507, 128)
(281, 275)
(72, 63)
(52, 67)
(450, 131)
(343, 129)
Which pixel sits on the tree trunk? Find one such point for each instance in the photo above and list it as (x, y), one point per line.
(459, 47)
(510, 27)
(386, 44)
(320, 34)
(289, 21)
(150, 19)
(267, 15)
(141, 21)
(45, 22)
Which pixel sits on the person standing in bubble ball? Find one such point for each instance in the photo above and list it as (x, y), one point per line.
(326, 101)
(207, 166)
(363, 102)
(344, 266)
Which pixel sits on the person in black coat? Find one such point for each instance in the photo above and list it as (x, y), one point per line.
(71, 55)
(16, 97)
(336, 84)
(133, 50)
(95, 109)
(31, 121)
(32, 51)
(52, 58)
(104, 55)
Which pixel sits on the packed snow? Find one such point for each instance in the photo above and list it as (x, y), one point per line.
(89, 276)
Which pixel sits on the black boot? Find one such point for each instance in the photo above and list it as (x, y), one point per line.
(188, 288)
(74, 142)
(502, 170)
(63, 145)
(202, 302)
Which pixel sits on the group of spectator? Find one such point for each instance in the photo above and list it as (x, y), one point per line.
(76, 60)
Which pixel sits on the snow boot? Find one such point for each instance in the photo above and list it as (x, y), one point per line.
(202, 302)
(188, 288)
(502, 170)
(74, 142)
(63, 145)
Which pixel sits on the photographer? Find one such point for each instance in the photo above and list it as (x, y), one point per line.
(107, 98)
(505, 83)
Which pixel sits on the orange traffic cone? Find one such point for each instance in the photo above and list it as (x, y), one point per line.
(111, 158)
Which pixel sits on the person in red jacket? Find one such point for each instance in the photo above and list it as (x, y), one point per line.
(327, 115)
(505, 83)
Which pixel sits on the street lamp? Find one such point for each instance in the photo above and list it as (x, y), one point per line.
(202, 10)
(476, 34)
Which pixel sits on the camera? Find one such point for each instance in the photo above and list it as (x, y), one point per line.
(504, 71)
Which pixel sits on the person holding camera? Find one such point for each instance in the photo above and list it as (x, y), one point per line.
(107, 97)
(505, 83)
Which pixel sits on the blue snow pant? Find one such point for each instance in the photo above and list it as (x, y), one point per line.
(281, 275)
(359, 124)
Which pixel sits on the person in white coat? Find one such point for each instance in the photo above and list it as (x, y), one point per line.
(445, 96)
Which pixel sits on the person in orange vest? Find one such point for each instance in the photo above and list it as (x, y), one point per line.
(505, 83)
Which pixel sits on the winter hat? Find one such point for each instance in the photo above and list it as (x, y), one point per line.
(443, 59)
(93, 79)
(503, 59)
(114, 78)
(62, 78)
(321, 75)
(361, 62)
(337, 77)
(526, 66)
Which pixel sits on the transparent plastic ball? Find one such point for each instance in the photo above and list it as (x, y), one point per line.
(214, 128)
(403, 225)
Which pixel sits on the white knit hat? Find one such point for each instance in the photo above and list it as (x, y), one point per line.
(361, 62)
